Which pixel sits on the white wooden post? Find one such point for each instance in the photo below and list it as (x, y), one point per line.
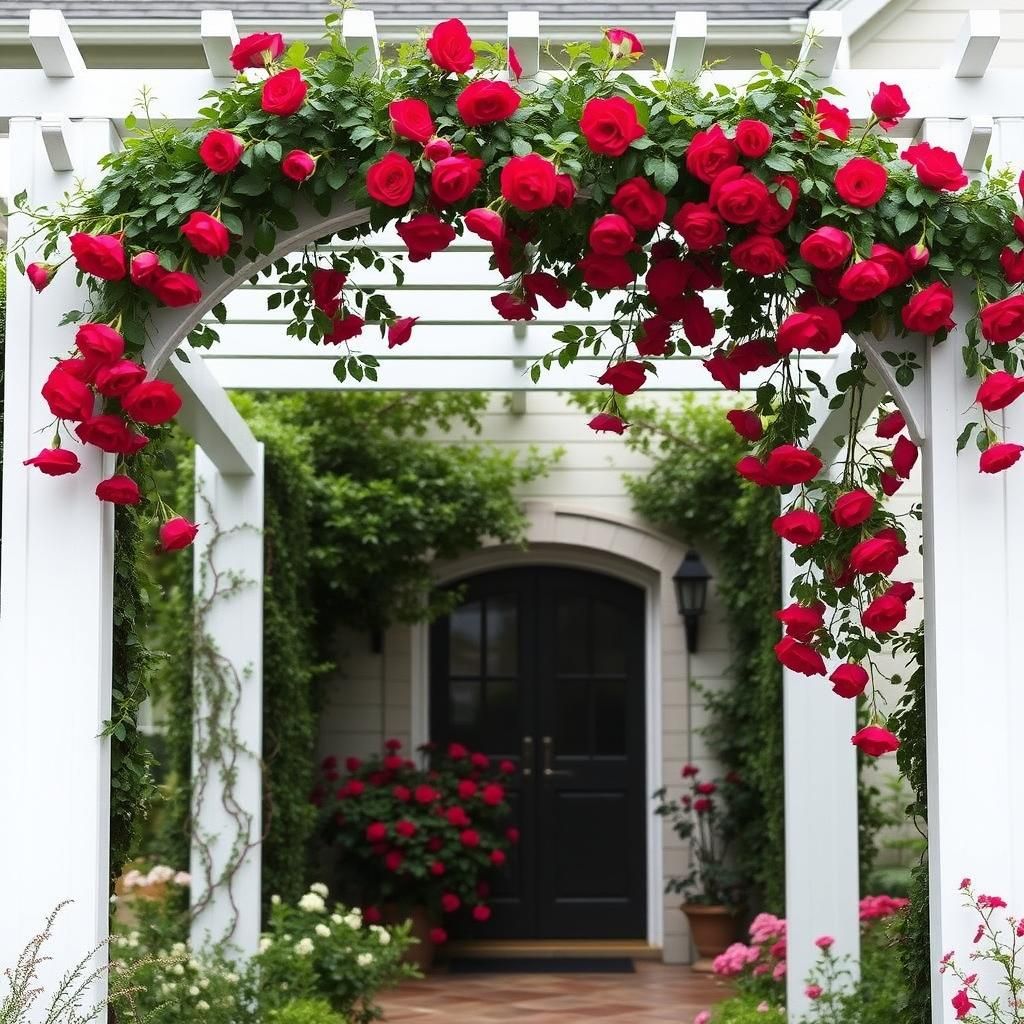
(55, 612)
(822, 865)
(226, 814)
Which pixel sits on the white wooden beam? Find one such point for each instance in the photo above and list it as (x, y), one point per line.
(686, 47)
(978, 142)
(208, 415)
(821, 45)
(359, 33)
(524, 38)
(55, 47)
(220, 36)
(973, 47)
(56, 131)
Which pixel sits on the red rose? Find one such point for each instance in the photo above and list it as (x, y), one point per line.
(565, 190)
(864, 281)
(625, 377)
(425, 234)
(746, 423)
(623, 42)
(753, 138)
(799, 526)
(709, 153)
(326, 284)
(257, 50)
(484, 102)
(1003, 321)
(904, 455)
(884, 613)
(515, 65)
(39, 274)
(376, 832)
(67, 397)
(485, 223)
(119, 490)
(826, 248)
(998, 390)
(177, 533)
(787, 464)
(606, 272)
(727, 373)
(890, 483)
(99, 255)
(481, 913)
(207, 235)
(878, 554)
(606, 422)
(998, 457)
(611, 235)
(936, 167)
(344, 328)
(652, 337)
(700, 226)
(667, 280)
(893, 261)
(450, 47)
(528, 182)
(740, 201)
(99, 343)
(874, 741)
(469, 838)
(760, 255)
(962, 1003)
(298, 165)
(861, 182)
(775, 216)
(610, 125)
(889, 105)
(802, 622)
(890, 424)
(749, 467)
(390, 180)
(832, 119)
(1018, 225)
(466, 789)
(438, 936)
(512, 307)
(497, 857)
(852, 508)
(492, 794)
(548, 287)
(284, 93)
(640, 203)
(153, 402)
(928, 310)
(1013, 265)
(798, 657)
(405, 828)
(437, 149)
(221, 151)
(401, 330)
(453, 178)
(411, 120)
(849, 680)
(818, 328)
(110, 434)
(55, 462)
(144, 266)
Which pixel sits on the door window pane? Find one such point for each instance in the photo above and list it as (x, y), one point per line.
(464, 630)
(464, 708)
(609, 639)
(502, 635)
(571, 634)
(609, 697)
(572, 717)
(502, 735)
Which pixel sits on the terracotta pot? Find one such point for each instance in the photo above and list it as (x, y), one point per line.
(713, 930)
(421, 953)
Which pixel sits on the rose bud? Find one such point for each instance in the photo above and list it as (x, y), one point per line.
(437, 149)
(144, 266)
(298, 165)
(849, 680)
(119, 490)
(177, 533)
(874, 741)
(40, 274)
(916, 256)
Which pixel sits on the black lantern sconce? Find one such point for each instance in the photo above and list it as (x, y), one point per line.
(691, 582)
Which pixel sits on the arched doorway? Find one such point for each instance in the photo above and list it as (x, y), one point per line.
(544, 666)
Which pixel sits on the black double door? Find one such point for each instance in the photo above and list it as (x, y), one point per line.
(544, 667)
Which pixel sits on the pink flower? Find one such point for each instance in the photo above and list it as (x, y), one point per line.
(991, 902)
(766, 928)
(813, 991)
(824, 942)
(703, 1017)
(965, 883)
(962, 1004)
(780, 970)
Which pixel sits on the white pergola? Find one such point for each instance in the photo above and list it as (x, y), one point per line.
(55, 601)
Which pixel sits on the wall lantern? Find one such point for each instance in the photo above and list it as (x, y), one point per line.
(691, 582)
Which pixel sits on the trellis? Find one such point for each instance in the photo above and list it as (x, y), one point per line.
(55, 602)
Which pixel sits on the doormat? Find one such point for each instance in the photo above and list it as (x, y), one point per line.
(541, 965)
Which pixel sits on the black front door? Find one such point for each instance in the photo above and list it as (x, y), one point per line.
(545, 667)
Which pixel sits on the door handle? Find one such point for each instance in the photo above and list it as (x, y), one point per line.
(548, 753)
(527, 758)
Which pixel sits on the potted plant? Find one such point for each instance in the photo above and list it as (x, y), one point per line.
(418, 842)
(711, 889)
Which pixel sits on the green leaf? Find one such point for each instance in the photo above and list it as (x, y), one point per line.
(252, 184)
(521, 146)
(264, 237)
(662, 171)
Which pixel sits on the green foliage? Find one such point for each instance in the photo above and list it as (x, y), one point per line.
(305, 1011)
(744, 1009)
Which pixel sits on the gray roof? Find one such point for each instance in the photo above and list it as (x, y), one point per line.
(592, 11)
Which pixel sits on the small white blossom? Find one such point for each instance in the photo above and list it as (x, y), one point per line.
(182, 878)
(312, 903)
(178, 969)
(354, 921)
(265, 943)
(179, 949)
(383, 935)
(231, 978)
(323, 931)
(336, 919)
(364, 959)
(275, 899)
(304, 946)
(204, 982)
(319, 888)
(202, 1006)
(193, 990)
(161, 873)
(113, 899)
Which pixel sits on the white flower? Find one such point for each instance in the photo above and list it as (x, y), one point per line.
(179, 949)
(323, 931)
(193, 990)
(336, 919)
(364, 959)
(113, 899)
(132, 879)
(304, 946)
(313, 903)
(265, 943)
(178, 969)
(204, 982)
(383, 935)
(161, 873)
(319, 888)
(275, 899)
(231, 979)
(202, 1006)
(354, 921)
(182, 878)
(167, 987)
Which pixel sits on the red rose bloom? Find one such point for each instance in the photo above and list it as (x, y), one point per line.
(775, 216)
(760, 255)
(221, 151)
(884, 613)
(39, 274)
(207, 235)
(565, 190)
(753, 138)
(799, 526)
(700, 226)
(800, 621)
(864, 281)
(99, 255)
(826, 248)
(99, 343)
(852, 508)
(1003, 321)
(667, 280)
(904, 455)
(177, 533)
(998, 390)
(740, 200)
(936, 167)
(890, 483)
(610, 125)
(437, 149)
(833, 119)
(119, 490)
(798, 657)
(890, 424)
(411, 119)
(749, 467)
(889, 105)
(450, 47)
(817, 327)
(849, 680)
(1013, 265)
(298, 165)
(605, 422)
(401, 330)
(485, 223)
(624, 42)
(425, 234)
(514, 307)
(874, 741)
(916, 257)
(611, 235)
(153, 402)
(625, 377)
(548, 287)
(528, 182)
(257, 50)
(284, 93)
(110, 434)
(746, 423)
(484, 102)
(344, 328)
(962, 1004)
(455, 177)
(710, 153)
(640, 203)
(606, 272)
(861, 182)
(481, 913)
(67, 397)
(998, 457)
(878, 554)
(787, 464)
(492, 794)
(727, 373)
(469, 838)
(652, 337)
(391, 179)
(928, 310)
(55, 462)
(144, 267)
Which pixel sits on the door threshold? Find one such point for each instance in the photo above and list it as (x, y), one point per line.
(635, 949)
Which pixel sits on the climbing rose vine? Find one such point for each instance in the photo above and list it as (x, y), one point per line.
(583, 182)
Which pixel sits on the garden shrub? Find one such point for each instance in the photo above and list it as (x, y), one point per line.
(305, 1011)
